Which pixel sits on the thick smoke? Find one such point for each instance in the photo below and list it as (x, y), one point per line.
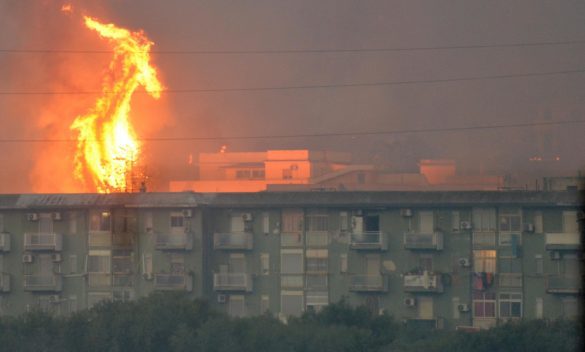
(259, 25)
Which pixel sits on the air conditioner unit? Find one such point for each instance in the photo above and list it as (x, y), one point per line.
(54, 298)
(359, 213)
(556, 255)
(57, 216)
(188, 213)
(221, 298)
(464, 262)
(57, 257)
(406, 212)
(463, 308)
(247, 216)
(410, 302)
(148, 276)
(32, 216)
(27, 258)
(528, 227)
(465, 225)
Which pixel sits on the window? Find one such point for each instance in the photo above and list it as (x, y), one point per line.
(426, 222)
(539, 264)
(177, 220)
(343, 263)
(455, 221)
(343, 221)
(570, 224)
(510, 305)
(291, 262)
(510, 239)
(291, 303)
(266, 223)
(236, 306)
(538, 308)
(484, 304)
(315, 282)
(317, 260)
(484, 261)
(98, 264)
(510, 220)
(265, 263)
(243, 174)
(317, 222)
(510, 265)
(45, 223)
(292, 221)
(538, 222)
(484, 219)
(237, 223)
(287, 174)
(177, 264)
(100, 221)
(317, 299)
(570, 308)
(264, 304)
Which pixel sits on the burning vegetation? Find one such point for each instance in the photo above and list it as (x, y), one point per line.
(108, 147)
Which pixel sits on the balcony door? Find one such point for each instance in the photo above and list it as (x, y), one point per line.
(45, 223)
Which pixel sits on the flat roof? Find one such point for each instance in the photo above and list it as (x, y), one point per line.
(344, 199)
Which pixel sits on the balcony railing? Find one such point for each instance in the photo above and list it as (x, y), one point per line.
(368, 283)
(425, 282)
(370, 240)
(43, 282)
(233, 241)
(4, 282)
(563, 241)
(97, 239)
(4, 242)
(423, 241)
(563, 284)
(43, 241)
(97, 280)
(291, 239)
(484, 239)
(181, 282)
(182, 241)
(232, 282)
(317, 238)
(510, 280)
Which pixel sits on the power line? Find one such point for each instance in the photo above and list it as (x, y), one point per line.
(321, 135)
(315, 86)
(302, 51)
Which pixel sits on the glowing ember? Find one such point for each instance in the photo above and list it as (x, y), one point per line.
(107, 145)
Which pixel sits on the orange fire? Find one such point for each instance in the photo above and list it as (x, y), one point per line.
(107, 145)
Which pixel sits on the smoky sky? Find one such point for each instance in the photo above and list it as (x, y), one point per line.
(180, 25)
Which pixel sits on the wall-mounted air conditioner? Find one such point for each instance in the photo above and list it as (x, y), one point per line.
(221, 298)
(556, 255)
(463, 308)
(56, 257)
(32, 216)
(57, 216)
(247, 216)
(406, 212)
(27, 258)
(465, 225)
(188, 213)
(410, 302)
(464, 262)
(528, 227)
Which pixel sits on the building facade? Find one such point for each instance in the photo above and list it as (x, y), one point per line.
(440, 259)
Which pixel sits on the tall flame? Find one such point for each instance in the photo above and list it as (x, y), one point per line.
(107, 145)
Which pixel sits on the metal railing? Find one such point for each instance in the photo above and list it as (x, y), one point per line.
(564, 284)
(425, 282)
(372, 283)
(317, 238)
(291, 239)
(368, 240)
(43, 241)
(174, 241)
(564, 240)
(43, 282)
(232, 282)
(4, 242)
(423, 240)
(173, 282)
(233, 240)
(100, 239)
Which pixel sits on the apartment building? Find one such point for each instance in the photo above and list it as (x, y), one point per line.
(440, 259)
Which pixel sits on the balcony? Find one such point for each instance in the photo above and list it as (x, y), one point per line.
(291, 239)
(232, 282)
(99, 280)
(484, 239)
(233, 241)
(563, 284)
(426, 323)
(172, 282)
(4, 242)
(563, 241)
(425, 282)
(423, 241)
(43, 241)
(182, 241)
(368, 283)
(512, 280)
(317, 239)
(370, 240)
(123, 240)
(99, 239)
(4, 282)
(43, 282)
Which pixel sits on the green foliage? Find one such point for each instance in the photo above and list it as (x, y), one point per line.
(173, 322)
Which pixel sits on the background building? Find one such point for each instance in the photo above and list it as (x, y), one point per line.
(442, 259)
